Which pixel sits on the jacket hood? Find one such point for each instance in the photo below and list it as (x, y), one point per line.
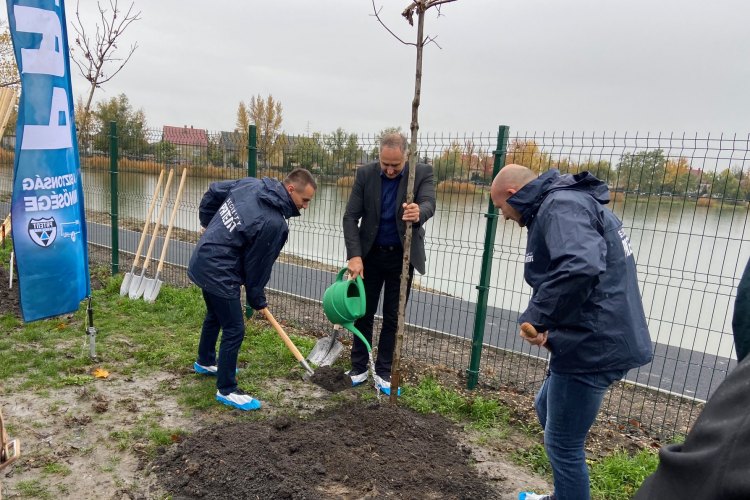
(529, 198)
(276, 195)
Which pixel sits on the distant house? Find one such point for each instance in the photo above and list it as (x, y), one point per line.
(364, 158)
(232, 144)
(190, 142)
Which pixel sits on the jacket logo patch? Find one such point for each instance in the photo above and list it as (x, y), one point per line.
(229, 215)
(529, 257)
(625, 243)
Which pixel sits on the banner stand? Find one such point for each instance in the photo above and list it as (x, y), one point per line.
(91, 331)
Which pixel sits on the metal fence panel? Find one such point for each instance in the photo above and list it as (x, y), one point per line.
(682, 200)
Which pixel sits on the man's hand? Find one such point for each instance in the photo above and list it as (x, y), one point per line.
(203, 230)
(355, 268)
(411, 212)
(533, 338)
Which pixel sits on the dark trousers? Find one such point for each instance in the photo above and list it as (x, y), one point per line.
(222, 314)
(381, 267)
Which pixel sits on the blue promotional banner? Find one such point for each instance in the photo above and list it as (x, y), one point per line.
(49, 224)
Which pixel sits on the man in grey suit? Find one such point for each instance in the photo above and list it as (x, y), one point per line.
(374, 227)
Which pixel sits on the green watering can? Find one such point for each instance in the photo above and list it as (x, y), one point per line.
(344, 302)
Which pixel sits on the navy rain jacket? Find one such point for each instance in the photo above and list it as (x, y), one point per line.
(581, 268)
(243, 239)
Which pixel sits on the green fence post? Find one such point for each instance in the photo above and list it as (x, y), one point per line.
(113, 196)
(484, 279)
(252, 151)
(252, 164)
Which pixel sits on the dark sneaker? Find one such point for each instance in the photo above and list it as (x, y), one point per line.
(238, 399)
(357, 377)
(383, 382)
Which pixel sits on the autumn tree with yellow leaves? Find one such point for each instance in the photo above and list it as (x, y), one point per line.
(267, 115)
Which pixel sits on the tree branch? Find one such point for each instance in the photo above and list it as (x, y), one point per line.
(433, 3)
(377, 16)
(429, 40)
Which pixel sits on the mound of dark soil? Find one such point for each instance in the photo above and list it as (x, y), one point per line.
(354, 451)
(9, 302)
(331, 379)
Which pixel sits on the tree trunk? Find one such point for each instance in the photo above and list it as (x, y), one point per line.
(86, 110)
(413, 157)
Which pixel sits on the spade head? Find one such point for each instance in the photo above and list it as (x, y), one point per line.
(152, 290)
(325, 352)
(144, 283)
(125, 284)
(135, 285)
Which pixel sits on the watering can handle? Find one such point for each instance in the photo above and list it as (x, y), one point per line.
(361, 288)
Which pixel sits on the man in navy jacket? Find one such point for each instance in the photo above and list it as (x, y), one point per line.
(244, 228)
(585, 305)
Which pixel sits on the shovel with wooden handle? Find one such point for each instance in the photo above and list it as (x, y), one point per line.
(153, 286)
(125, 287)
(309, 371)
(137, 285)
(529, 330)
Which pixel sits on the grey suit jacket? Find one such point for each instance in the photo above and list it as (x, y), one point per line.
(364, 205)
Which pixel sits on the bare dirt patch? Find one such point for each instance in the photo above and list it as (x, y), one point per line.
(77, 441)
(9, 301)
(354, 451)
(94, 441)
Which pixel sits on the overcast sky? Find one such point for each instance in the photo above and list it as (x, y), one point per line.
(536, 65)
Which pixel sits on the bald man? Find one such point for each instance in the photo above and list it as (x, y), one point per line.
(585, 305)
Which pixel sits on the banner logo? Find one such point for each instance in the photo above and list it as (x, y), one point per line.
(43, 231)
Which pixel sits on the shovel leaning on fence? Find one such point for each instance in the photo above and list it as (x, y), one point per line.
(137, 284)
(153, 286)
(125, 287)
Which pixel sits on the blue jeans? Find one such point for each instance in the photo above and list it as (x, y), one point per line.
(567, 405)
(222, 314)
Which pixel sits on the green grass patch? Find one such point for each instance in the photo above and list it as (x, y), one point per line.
(33, 489)
(677, 438)
(263, 356)
(615, 477)
(55, 468)
(430, 397)
(134, 337)
(619, 475)
(534, 459)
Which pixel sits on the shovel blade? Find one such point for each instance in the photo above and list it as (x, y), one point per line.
(125, 287)
(135, 284)
(152, 290)
(325, 352)
(142, 286)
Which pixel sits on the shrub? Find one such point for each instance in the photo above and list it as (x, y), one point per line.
(345, 182)
(7, 157)
(616, 197)
(456, 187)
